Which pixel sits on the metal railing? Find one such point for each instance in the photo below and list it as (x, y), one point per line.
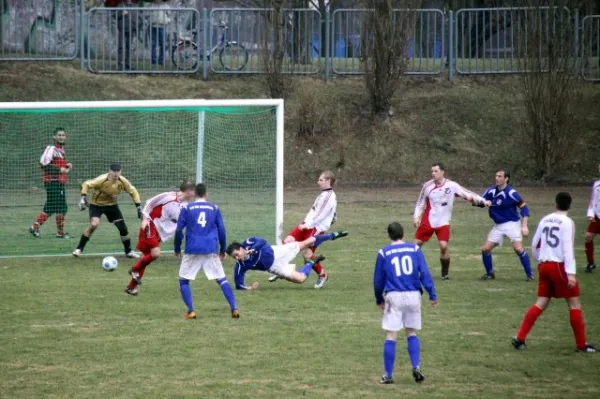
(41, 30)
(495, 40)
(590, 48)
(143, 40)
(425, 51)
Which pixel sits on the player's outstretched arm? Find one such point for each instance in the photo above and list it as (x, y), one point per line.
(379, 279)
(222, 233)
(239, 273)
(420, 205)
(181, 222)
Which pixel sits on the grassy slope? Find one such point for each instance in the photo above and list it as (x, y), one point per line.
(474, 124)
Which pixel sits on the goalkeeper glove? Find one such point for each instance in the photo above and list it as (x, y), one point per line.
(83, 203)
(139, 211)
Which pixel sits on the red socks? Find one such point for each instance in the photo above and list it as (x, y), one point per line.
(132, 284)
(589, 252)
(144, 261)
(530, 317)
(40, 220)
(576, 318)
(318, 268)
(60, 223)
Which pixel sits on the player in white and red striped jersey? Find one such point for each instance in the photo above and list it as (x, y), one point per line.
(318, 221)
(593, 215)
(159, 223)
(433, 211)
(552, 247)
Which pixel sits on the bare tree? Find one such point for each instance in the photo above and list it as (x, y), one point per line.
(385, 43)
(550, 89)
(278, 84)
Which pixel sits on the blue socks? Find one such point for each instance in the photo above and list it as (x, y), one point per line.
(487, 262)
(389, 356)
(306, 268)
(524, 258)
(227, 292)
(414, 350)
(321, 238)
(186, 294)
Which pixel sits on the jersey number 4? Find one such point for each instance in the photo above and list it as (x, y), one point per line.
(551, 238)
(403, 265)
(202, 219)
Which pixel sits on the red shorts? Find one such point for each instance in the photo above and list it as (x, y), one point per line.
(148, 239)
(553, 282)
(301, 235)
(594, 226)
(425, 231)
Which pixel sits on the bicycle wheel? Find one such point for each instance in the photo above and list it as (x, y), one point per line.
(185, 55)
(233, 56)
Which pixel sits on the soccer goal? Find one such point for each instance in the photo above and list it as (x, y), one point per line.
(235, 147)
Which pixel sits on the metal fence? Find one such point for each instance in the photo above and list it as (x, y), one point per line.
(350, 29)
(591, 48)
(243, 40)
(43, 30)
(502, 40)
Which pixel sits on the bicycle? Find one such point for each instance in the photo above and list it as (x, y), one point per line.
(184, 54)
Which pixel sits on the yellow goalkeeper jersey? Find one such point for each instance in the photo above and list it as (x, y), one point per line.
(106, 191)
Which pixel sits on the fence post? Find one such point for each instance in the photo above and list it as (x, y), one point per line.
(450, 57)
(203, 47)
(82, 33)
(327, 44)
(576, 41)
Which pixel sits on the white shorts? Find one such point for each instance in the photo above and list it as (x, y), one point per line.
(210, 263)
(402, 310)
(284, 254)
(512, 230)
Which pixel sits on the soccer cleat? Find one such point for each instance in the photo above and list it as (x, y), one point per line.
(321, 281)
(235, 314)
(190, 315)
(446, 278)
(530, 278)
(316, 260)
(64, 236)
(273, 278)
(417, 375)
(518, 344)
(77, 253)
(132, 255)
(588, 349)
(588, 269)
(339, 234)
(34, 232)
(135, 276)
(131, 291)
(488, 276)
(386, 379)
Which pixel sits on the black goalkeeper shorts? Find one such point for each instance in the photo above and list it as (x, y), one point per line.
(56, 198)
(112, 212)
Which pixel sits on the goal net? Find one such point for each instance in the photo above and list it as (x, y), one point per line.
(235, 147)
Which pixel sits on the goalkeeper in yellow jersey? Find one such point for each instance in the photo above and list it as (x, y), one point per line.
(107, 188)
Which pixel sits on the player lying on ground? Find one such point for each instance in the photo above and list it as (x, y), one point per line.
(433, 211)
(504, 203)
(205, 241)
(55, 170)
(159, 224)
(400, 271)
(107, 188)
(318, 221)
(552, 247)
(256, 254)
(593, 215)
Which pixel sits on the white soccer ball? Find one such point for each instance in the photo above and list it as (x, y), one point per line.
(109, 263)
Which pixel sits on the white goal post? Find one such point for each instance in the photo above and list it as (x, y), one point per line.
(205, 130)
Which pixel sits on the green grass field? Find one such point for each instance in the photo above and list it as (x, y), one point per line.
(68, 330)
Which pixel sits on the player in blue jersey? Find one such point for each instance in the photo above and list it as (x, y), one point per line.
(505, 204)
(256, 254)
(400, 273)
(205, 242)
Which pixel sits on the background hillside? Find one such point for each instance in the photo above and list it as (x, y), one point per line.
(473, 124)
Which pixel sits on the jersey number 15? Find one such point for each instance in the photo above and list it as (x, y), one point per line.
(403, 265)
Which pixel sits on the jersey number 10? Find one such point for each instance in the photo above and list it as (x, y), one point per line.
(202, 219)
(404, 265)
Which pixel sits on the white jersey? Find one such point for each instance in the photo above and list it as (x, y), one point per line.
(164, 210)
(322, 213)
(554, 240)
(594, 205)
(436, 201)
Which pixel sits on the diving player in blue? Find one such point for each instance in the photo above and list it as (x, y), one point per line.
(400, 271)
(256, 254)
(504, 206)
(205, 242)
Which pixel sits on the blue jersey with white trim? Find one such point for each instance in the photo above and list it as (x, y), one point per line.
(204, 229)
(505, 204)
(261, 259)
(401, 266)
